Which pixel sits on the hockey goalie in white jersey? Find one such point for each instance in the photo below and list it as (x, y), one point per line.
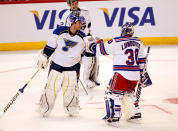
(128, 60)
(91, 66)
(66, 46)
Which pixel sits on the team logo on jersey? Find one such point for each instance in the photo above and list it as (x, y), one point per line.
(69, 44)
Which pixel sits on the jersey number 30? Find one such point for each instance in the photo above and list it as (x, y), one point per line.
(132, 56)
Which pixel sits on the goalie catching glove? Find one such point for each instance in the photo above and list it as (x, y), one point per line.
(91, 43)
(42, 60)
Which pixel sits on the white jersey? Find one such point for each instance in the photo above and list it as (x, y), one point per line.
(65, 21)
(128, 55)
(66, 48)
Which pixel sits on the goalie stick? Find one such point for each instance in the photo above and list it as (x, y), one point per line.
(20, 91)
(83, 87)
(140, 84)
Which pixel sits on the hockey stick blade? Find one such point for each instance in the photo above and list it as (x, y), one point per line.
(20, 91)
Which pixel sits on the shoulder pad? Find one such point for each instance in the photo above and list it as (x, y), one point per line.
(60, 30)
(81, 34)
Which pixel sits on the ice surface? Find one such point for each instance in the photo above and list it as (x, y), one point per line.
(17, 67)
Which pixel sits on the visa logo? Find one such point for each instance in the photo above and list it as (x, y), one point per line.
(146, 18)
(40, 22)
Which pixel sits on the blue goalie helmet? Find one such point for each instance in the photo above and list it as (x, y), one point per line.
(74, 18)
(127, 29)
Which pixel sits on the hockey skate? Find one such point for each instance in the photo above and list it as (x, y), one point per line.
(135, 118)
(90, 84)
(114, 121)
(97, 82)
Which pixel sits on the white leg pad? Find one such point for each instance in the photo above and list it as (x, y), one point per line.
(51, 90)
(88, 67)
(113, 105)
(128, 105)
(70, 93)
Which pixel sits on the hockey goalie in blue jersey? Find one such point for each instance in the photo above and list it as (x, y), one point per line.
(66, 46)
(128, 60)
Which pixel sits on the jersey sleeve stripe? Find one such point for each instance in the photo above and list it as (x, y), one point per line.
(142, 60)
(48, 50)
(102, 49)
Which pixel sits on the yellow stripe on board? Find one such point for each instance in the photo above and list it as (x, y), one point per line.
(22, 46)
(41, 44)
(159, 40)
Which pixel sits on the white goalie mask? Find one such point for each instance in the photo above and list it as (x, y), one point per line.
(127, 29)
(69, 2)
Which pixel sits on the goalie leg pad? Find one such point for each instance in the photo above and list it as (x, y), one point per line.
(128, 107)
(113, 105)
(51, 90)
(95, 71)
(88, 67)
(70, 93)
(134, 101)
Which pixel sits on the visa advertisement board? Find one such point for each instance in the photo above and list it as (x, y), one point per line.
(35, 22)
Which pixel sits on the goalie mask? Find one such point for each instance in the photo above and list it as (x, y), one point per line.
(69, 2)
(127, 29)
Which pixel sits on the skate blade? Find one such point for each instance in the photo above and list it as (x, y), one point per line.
(135, 120)
(114, 124)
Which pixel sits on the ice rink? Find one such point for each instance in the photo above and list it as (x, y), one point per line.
(159, 103)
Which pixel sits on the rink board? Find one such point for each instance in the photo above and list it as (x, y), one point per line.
(30, 25)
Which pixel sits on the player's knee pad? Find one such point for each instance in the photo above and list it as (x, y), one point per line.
(113, 104)
(51, 90)
(70, 93)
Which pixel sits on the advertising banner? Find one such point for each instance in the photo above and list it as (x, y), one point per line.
(36, 21)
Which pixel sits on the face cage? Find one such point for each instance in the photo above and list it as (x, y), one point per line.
(69, 2)
(127, 32)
